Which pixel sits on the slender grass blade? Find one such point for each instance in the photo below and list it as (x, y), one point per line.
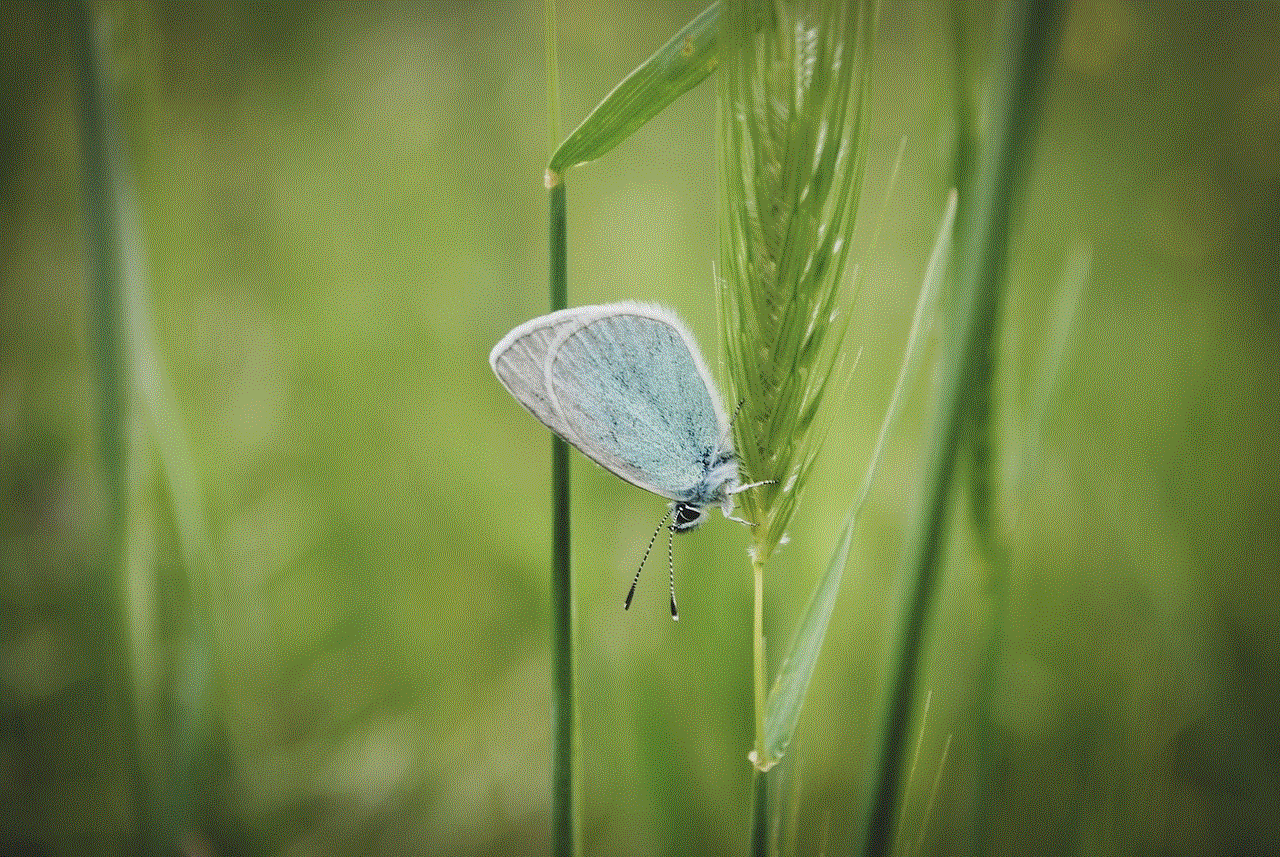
(788, 693)
(676, 67)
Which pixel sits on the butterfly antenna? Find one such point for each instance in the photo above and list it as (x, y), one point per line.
(729, 428)
(626, 605)
(671, 573)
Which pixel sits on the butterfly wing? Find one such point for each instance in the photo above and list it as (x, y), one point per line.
(520, 359)
(631, 387)
(624, 383)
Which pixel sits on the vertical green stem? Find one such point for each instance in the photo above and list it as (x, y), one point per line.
(564, 830)
(109, 355)
(759, 813)
(985, 751)
(757, 651)
(102, 236)
(760, 791)
(553, 98)
(1030, 36)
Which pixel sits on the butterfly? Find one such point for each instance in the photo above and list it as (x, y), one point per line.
(626, 385)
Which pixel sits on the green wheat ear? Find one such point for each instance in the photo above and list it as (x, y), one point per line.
(793, 80)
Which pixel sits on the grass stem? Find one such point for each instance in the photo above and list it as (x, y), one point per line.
(565, 837)
(109, 354)
(759, 813)
(564, 717)
(758, 662)
(1030, 36)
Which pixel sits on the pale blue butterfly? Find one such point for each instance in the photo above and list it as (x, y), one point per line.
(625, 384)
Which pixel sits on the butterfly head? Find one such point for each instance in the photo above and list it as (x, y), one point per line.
(717, 486)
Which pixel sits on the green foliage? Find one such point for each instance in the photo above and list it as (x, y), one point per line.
(158, 656)
(792, 153)
(1044, 391)
(673, 70)
(792, 683)
(1022, 69)
(343, 210)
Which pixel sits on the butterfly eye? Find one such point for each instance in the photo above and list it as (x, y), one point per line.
(687, 516)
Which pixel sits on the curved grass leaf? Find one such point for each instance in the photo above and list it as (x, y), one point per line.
(789, 689)
(676, 67)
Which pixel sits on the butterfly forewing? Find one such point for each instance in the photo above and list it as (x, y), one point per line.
(636, 400)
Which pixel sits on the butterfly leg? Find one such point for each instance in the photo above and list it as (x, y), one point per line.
(740, 488)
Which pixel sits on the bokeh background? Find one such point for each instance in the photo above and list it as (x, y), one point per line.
(342, 210)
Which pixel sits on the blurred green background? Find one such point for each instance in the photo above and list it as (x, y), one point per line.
(342, 211)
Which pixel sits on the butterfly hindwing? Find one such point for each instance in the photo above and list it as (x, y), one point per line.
(520, 362)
